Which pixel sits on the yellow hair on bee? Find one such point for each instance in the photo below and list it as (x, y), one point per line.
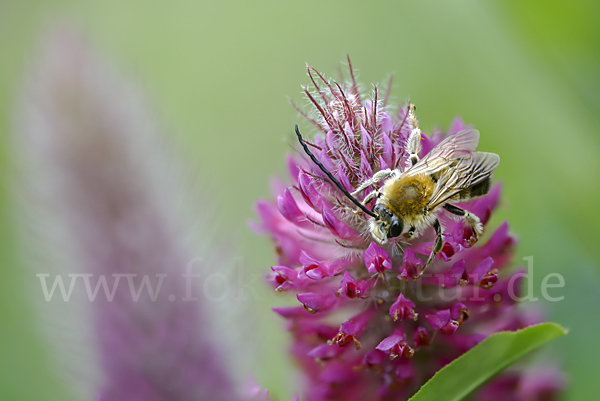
(407, 196)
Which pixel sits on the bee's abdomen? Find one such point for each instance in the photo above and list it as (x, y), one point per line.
(476, 190)
(408, 196)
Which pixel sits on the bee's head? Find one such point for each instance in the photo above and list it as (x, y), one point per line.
(386, 225)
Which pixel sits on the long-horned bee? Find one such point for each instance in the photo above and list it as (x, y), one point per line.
(407, 202)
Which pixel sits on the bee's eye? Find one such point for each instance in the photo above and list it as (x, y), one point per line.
(395, 229)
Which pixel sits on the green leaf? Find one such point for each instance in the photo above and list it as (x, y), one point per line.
(458, 379)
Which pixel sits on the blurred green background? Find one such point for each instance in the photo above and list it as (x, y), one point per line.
(526, 74)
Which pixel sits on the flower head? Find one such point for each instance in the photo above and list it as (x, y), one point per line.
(370, 323)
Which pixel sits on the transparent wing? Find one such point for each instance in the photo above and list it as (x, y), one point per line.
(463, 174)
(447, 153)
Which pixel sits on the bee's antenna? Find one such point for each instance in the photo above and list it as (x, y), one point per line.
(331, 177)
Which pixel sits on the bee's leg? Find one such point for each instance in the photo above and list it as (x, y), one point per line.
(411, 232)
(437, 246)
(469, 217)
(413, 144)
(378, 176)
(372, 195)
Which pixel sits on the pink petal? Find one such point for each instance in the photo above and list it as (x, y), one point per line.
(377, 259)
(309, 191)
(365, 166)
(290, 210)
(456, 275)
(457, 125)
(402, 309)
(438, 319)
(314, 302)
(337, 227)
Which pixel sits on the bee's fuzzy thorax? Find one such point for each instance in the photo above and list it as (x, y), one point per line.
(407, 196)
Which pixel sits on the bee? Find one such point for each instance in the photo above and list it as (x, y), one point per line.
(409, 199)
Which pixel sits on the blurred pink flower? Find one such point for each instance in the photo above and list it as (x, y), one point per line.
(106, 192)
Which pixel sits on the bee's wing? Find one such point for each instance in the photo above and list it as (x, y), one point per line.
(456, 165)
(463, 174)
(456, 146)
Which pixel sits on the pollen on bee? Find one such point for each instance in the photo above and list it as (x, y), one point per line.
(408, 195)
